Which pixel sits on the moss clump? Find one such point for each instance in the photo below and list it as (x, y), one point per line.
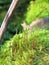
(26, 49)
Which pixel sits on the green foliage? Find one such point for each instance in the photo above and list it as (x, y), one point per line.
(37, 9)
(26, 49)
(27, 10)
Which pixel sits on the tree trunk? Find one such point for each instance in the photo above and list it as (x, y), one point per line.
(7, 17)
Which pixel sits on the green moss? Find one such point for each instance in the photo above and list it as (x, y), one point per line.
(26, 49)
(37, 9)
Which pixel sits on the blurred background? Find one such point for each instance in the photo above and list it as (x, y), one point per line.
(27, 10)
